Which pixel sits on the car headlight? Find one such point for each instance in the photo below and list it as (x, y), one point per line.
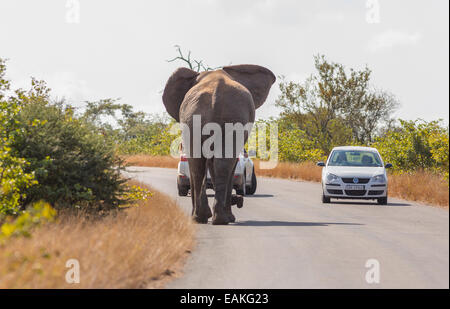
(379, 178)
(332, 178)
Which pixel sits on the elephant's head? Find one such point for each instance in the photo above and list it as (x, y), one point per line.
(256, 79)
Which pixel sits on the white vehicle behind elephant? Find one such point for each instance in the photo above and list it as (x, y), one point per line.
(244, 181)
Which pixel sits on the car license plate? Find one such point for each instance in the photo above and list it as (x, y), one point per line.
(355, 187)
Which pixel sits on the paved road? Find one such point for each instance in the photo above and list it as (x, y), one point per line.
(285, 237)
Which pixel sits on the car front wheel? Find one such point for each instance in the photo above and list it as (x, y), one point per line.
(382, 200)
(182, 191)
(252, 188)
(241, 190)
(325, 199)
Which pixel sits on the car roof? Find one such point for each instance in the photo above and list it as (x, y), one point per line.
(356, 148)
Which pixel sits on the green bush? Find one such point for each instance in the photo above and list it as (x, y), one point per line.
(73, 164)
(295, 146)
(39, 213)
(13, 178)
(416, 145)
(155, 142)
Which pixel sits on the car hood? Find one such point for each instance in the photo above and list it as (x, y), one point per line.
(351, 171)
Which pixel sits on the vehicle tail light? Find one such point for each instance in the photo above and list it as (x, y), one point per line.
(183, 158)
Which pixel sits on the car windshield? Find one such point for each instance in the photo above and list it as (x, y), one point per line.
(355, 158)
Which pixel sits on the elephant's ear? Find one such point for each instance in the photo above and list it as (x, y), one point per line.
(255, 78)
(176, 87)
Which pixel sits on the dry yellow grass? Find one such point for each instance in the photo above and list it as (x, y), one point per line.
(307, 171)
(139, 247)
(419, 186)
(151, 161)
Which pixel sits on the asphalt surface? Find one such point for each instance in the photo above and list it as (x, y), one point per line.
(284, 237)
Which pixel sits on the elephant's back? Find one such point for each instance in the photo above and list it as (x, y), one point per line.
(220, 100)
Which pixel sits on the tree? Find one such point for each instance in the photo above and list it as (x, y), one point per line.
(334, 102)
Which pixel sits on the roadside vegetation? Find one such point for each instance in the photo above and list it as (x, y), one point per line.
(63, 197)
(142, 246)
(151, 161)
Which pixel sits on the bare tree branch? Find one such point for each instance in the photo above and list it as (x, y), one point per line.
(193, 64)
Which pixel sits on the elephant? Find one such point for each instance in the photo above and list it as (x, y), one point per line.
(229, 95)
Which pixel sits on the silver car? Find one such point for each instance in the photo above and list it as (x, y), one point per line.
(354, 173)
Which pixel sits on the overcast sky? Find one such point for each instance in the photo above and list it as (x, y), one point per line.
(119, 48)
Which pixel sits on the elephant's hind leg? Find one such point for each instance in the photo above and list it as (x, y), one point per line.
(229, 198)
(201, 211)
(223, 170)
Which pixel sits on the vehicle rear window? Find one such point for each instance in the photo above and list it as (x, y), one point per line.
(355, 158)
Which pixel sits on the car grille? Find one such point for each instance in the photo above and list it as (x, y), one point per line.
(334, 191)
(360, 180)
(375, 192)
(355, 192)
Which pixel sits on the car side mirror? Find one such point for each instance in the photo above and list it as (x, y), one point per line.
(320, 163)
(389, 165)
